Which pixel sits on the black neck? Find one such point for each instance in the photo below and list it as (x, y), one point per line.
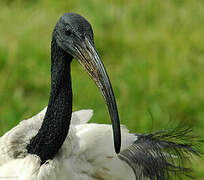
(56, 122)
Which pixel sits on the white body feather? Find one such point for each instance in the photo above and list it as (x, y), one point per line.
(86, 154)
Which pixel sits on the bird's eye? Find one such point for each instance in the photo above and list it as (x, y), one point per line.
(68, 32)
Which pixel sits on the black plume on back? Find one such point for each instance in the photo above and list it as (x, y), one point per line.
(162, 155)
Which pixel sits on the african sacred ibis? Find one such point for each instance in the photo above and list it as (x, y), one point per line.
(59, 144)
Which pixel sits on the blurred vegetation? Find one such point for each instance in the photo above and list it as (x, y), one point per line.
(153, 51)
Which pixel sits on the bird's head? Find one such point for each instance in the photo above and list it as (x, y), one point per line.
(74, 34)
(72, 31)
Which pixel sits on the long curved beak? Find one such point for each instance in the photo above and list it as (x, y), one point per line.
(90, 60)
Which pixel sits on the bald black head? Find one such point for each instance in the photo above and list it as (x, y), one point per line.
(71, 30)
(77, 24)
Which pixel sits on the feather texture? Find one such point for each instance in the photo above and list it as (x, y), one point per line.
(88, 153)
(161, 155)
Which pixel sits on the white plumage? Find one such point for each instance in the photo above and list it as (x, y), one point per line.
(87, 152)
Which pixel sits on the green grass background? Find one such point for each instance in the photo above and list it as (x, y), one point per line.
(153, 51)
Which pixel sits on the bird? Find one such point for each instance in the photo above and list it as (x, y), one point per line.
(58, 143)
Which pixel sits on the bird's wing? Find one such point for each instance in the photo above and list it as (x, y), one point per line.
(161, 155)
(95, 154)
(13, 143)
(81, 116)
(88, 151)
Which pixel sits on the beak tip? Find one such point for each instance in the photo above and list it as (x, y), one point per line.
(117, 144)
(117, 150)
